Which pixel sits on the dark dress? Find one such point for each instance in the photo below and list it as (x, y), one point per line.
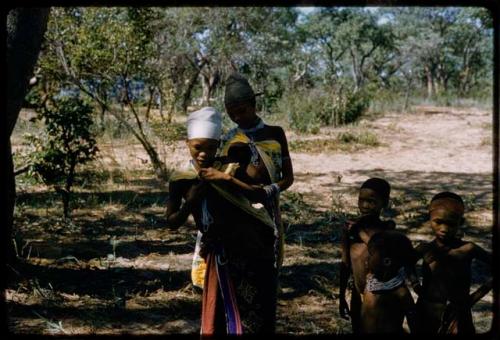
(245, 247)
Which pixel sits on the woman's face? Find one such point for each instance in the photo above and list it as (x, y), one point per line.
(242, 114)
(203, 150)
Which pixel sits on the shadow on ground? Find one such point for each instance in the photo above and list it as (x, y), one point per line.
(103, 283)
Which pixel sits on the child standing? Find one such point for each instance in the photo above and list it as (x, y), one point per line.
(373, 197)
(446, 268)
(386, 299)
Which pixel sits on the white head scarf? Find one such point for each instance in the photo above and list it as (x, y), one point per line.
(204, 123)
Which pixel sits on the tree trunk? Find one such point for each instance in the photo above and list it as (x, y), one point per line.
(206, 90)
(428, 75)
(210, 81)
(186, 98)
(159, 167)
(151, 91)
(102, 117)
(66, 194)
(160, 93)
(407, 94)
(25, 30)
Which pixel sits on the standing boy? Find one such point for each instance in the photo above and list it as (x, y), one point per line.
(446, 267)
(373, 197)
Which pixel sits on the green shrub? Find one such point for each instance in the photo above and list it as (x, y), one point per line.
(168, 132)
(345, 141)
(309, 109)
(67, 142)
(363, 138)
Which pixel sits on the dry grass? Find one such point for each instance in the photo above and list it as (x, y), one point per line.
(345, 141)
(116, 269)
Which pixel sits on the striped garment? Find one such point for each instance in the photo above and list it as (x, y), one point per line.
(374, 285)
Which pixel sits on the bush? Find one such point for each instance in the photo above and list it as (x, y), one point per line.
(345, 141)
(168, 132)
(66, 142)
(309, 109)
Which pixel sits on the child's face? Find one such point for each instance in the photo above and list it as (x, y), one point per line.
(445, 223)
(203, 150)
(369, 202)
(242, 114)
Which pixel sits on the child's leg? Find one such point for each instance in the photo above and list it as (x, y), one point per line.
(465, 324)
(429, 316)
(355, 311)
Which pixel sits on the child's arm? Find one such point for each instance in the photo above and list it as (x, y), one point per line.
(480, 292)
(481, 254)
(177, 214)
(411, 313)
(411, 271)
(345, 272)
(364, 236)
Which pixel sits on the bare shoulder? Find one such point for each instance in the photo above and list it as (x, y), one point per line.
(464, 246)
(472, 248)
(423, 247)
(276, 131)
(178, 188)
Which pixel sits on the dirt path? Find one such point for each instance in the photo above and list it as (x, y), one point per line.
(131, 274)
(428, 141)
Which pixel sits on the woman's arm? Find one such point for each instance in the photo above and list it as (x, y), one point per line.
(253, 192)
(286, 166)
(177, 214)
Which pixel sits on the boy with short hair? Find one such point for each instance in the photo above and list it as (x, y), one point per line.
(373, 197)
(386, 299)
(446, 268)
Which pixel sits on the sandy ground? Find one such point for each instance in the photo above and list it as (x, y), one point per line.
(421, 153)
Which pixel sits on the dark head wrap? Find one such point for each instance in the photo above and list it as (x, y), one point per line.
(449, 201)
(380, 186)
(238, 90)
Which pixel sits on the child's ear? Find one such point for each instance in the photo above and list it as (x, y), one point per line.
(387, 261)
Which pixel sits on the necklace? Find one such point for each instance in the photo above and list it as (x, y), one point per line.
(254, 129)
(251, 134)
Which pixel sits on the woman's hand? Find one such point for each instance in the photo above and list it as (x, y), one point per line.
(211, 174)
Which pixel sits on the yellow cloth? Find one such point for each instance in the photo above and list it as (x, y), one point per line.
(198, 265)
(226, 191)
(269, 152)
